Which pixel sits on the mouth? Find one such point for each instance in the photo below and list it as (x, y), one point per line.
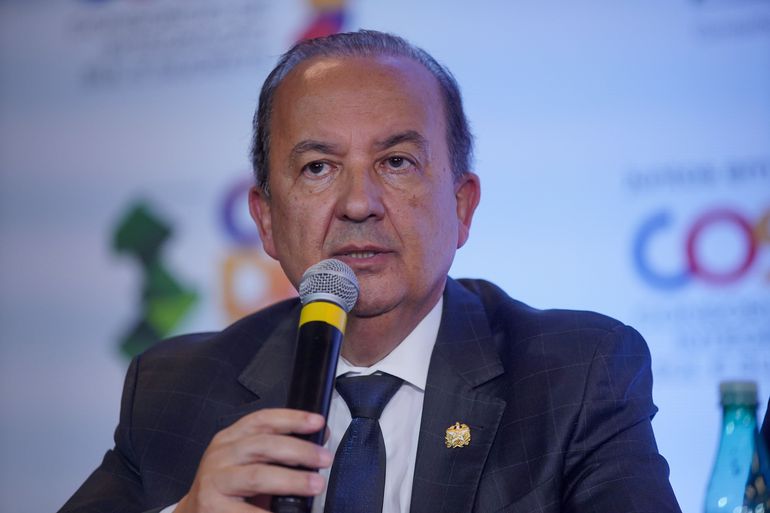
(357, 255)
(352, 255)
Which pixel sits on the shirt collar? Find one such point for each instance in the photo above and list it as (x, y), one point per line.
(410, 359)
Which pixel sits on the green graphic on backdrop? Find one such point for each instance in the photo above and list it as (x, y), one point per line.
(164, 301)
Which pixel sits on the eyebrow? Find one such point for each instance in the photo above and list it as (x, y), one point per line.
(309, 145)
(409, 136)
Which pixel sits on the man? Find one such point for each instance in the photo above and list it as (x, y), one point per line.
(362, 154)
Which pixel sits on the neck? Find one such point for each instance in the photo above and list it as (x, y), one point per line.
(370, 339)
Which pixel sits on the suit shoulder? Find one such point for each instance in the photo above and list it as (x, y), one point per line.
(499, 304)
(232, 344)
(533, 340)
(515, 323)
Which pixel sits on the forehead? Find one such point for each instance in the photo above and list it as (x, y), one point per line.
(380, 92)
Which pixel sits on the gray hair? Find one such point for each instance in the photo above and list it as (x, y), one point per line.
(364, 43)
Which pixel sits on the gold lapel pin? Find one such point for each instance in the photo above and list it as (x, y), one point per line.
(457, 435)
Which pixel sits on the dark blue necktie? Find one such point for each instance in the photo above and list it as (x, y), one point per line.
(357, 478)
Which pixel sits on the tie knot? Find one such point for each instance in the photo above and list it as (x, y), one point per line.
(366, 396)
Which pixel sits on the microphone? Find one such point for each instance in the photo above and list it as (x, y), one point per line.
(328, 290)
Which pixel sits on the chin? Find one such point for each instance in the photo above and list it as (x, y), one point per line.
(371, 304)
(368, 310)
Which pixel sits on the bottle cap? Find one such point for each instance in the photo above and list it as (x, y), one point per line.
(736, 393)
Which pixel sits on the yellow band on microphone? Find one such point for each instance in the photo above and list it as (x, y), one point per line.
(324, 312)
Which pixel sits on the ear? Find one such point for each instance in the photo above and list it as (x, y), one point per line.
(467, 196)
(259, 208)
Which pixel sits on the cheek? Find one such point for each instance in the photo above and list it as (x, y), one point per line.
(288, 226)
(302, 226)
(434, 224)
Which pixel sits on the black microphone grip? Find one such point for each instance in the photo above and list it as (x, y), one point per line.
(312, 383)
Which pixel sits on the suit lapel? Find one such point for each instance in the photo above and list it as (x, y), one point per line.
(464, 359)
(268, 373)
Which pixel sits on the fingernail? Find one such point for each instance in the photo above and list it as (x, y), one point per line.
(315, 419)
(324, 457)
(316, 483)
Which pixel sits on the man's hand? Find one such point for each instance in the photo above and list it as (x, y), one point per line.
(243, 462)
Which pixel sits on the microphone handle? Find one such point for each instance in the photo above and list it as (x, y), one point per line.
(312, 383)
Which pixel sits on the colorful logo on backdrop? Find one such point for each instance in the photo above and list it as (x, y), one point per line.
(164, 301)
(329, 19)
(250, 279)
(749, 237)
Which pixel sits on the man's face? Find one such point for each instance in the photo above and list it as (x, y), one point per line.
(360, 171)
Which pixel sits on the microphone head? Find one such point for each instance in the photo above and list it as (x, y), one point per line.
(329, 280)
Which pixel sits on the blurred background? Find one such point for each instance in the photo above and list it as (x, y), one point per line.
(624, 151)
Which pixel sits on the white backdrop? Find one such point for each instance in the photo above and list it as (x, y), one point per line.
(624, 150)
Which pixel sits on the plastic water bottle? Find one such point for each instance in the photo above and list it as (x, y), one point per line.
(739, 480)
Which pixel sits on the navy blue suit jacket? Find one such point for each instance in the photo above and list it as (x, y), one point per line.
(558, 402)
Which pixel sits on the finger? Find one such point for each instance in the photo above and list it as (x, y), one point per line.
(262, 479)
(283, 449)
(240, 506)
(273, 420)
(221, 504)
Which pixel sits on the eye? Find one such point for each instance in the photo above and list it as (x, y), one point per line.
(318, 168)
(398, 163)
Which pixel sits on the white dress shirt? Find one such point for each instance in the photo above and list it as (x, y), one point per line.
(400, 420)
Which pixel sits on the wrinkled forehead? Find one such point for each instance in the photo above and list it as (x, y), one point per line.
(340, 87)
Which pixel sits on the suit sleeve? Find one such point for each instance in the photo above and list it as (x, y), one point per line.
(613, 465)
(115, 486)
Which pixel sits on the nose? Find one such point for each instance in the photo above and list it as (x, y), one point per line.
(361, 197)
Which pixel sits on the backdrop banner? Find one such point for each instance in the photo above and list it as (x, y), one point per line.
(623, 149)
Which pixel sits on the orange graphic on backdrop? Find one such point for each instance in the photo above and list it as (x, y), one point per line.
(275, 285)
